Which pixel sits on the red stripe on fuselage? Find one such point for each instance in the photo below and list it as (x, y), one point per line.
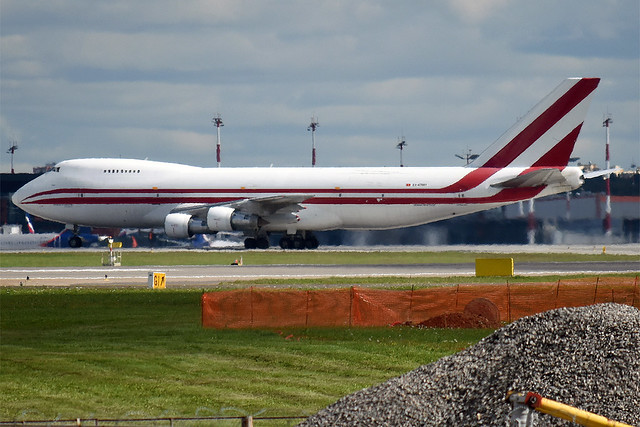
(471, 180)
(506, 195)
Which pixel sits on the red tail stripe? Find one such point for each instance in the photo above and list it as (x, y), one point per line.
(559, 155)
(543, 123)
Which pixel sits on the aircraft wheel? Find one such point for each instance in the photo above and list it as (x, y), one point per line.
(75, 242)
(250, 243)
(311, 242)
(285, 243)
(262, 243)
(298, 242)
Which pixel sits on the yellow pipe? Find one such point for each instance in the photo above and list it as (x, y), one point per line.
(576, 415)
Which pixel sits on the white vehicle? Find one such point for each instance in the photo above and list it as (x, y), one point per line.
(528, 161)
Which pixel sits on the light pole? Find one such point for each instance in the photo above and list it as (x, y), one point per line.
(607, 217)
(217, 120)
(12, 150)
(400, 146)
(312, 127)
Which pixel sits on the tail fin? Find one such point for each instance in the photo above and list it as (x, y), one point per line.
(29, 225)
(545, 136)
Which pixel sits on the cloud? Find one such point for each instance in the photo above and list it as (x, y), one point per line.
(144, 78)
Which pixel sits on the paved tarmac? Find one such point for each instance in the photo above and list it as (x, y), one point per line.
(178, 276)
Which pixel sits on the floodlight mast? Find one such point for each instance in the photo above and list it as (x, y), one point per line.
(312, 127)
(469, 156)
(607, 218)
(400, 146)
(217, 120)
(12, 150)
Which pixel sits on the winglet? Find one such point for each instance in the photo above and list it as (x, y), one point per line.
(546, 135)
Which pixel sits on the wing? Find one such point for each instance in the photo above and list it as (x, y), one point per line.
(261, 206)
(268, 205)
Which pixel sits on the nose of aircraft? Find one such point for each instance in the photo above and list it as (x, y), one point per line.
(22, 194)
(19, 196)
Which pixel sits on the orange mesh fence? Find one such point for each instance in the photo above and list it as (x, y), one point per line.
(373, 307)
(525, 299)
(259, 308)
(623, 290)
(329, 308)
(432, 302)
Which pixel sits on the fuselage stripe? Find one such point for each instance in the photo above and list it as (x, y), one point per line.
(505, 195)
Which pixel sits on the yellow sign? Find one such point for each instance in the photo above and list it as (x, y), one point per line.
(157, 280)
(494, 267)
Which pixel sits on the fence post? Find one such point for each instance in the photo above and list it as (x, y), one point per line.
(306, 320)
(411, 305)
(247, 421)
(508, 302)
(251, 304)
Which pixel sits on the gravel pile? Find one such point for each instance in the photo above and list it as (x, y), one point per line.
(588, 357)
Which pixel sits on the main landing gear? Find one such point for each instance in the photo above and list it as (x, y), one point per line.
(303, 240)
(260, 242)
(300, 240)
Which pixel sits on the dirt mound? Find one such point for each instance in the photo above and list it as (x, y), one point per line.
(456, 320)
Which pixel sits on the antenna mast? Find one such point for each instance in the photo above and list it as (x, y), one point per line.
(217, 120)
(401, 144)
(312, 127)
(607, 218)
(12, 150)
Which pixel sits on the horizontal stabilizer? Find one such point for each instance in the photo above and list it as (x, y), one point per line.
(536, 178)
(595, 174)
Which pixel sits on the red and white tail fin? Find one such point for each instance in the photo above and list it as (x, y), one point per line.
(29, 225)
(545, 136)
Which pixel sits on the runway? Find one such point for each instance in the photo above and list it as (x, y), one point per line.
(180, 276)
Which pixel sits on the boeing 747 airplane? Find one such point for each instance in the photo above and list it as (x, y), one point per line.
(528, 161)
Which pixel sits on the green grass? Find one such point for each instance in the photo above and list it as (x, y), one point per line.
(112, 353)
(138, 258)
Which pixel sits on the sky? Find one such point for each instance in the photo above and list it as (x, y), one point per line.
(143, 79)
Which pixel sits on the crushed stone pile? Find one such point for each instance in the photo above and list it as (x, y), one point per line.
(587, 357)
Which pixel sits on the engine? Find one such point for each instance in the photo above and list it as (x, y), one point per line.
(219, 218)
(574, 177)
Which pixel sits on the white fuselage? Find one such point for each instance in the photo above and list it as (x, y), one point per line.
(140, 193)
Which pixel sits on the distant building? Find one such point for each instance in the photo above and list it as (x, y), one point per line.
(39, 170)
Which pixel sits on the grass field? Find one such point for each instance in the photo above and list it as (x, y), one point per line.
(122, 353)
(68, 353)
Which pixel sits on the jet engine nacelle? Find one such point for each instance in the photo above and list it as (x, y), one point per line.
(219, 218)
(224, 218)
(182, 226)
(574, 177)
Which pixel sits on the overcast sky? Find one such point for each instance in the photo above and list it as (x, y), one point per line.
(142, 79)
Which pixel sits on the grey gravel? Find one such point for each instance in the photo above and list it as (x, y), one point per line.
(587, 357)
